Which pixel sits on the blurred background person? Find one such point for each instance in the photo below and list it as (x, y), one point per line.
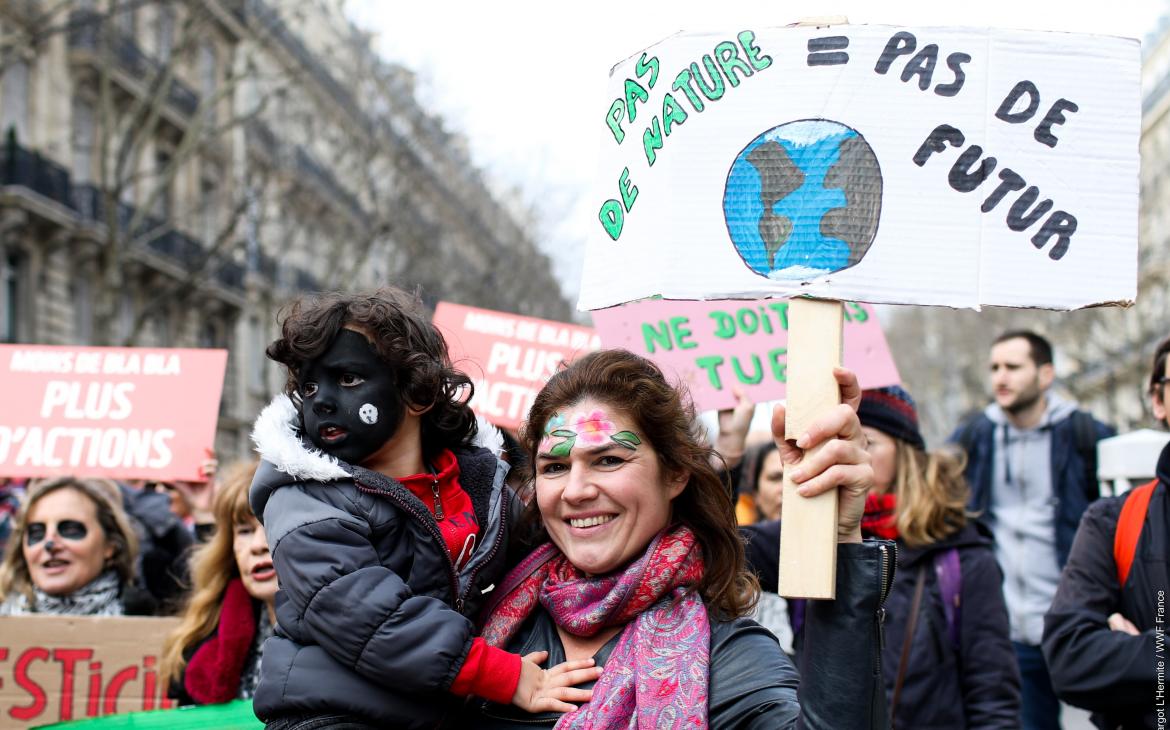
(761, 494)
(73, 552)
(214, 654)
(948, 661)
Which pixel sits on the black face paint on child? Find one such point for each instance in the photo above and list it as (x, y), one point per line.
(336, 386)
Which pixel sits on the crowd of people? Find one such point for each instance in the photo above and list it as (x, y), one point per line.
(385, 563)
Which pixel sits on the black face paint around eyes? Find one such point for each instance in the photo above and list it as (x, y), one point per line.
(72, 529)
(35, 533)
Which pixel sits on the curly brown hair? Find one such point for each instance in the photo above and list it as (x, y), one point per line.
(404, 338)
(665, 417)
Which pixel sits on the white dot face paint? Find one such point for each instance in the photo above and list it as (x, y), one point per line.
(368, 413)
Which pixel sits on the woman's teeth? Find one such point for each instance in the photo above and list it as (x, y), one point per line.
(591, 521)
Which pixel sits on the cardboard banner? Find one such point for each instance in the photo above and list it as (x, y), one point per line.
(713, 346)
(56, 668)
(946, 166)
(126, 413)
(507, 356)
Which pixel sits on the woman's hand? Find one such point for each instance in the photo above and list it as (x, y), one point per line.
(551, 690)
(841, 461)
(734, 424)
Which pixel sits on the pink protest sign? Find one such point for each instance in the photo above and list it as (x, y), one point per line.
(712, 346)
(508, 357)
(119, 412)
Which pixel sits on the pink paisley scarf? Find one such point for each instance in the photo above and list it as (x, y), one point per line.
(656, 676)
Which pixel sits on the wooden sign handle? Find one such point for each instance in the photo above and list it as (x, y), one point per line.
(808, 540)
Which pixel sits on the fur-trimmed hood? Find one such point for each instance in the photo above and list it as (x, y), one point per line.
(288, 458)
(278, 441)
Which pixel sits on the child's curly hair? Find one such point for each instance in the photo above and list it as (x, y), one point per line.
(404, 338)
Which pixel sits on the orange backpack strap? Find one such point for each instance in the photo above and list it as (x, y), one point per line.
(1129, 528)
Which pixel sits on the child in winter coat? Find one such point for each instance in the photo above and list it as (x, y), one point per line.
(388, 528)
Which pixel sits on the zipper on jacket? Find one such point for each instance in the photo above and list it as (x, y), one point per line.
(439, 516)
(495, 546)
(432, 527)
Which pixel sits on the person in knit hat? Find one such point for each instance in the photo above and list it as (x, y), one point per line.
(947, 661)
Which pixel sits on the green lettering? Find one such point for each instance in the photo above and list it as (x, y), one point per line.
(682, 333)
(747, 39)
(652, 66)
(765, 320)
(659, 336)
(859, 313)
(710, 363)
(715, 92)
(612, 218)
(752, 379)
(634, 94)
(628, 190)
(729, 60)
(682, 83)
(779, 369)
(724, 325)
(617, 110)
(781, 308)
(652, 140)
(672, 113)
(749, 321)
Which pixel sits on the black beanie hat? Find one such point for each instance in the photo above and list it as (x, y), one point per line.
(891, 410)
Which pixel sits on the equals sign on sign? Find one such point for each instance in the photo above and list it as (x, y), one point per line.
(828, 51)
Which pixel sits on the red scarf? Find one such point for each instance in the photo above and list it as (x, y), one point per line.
(879, 517)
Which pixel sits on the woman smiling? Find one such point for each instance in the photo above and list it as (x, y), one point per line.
(641, 569)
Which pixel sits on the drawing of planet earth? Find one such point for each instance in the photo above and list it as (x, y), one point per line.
(803, 200)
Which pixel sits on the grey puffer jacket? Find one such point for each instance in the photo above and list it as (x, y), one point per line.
(372, 617)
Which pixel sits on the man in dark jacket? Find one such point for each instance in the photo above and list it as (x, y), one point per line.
(1104, 636)
(1032, 471)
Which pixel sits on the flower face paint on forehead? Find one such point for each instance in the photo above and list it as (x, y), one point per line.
(592, 428)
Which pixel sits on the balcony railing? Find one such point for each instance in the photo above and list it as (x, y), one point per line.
(85, 33)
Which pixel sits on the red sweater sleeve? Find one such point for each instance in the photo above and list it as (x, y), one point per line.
(488, 672)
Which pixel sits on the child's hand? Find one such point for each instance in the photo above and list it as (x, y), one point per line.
(545, 690)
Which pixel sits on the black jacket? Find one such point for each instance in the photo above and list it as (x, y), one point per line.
(979, 685)
(372, 618)
(752, 682)
(1111, 673)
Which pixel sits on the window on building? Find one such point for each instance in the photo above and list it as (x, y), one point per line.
(164, 204)
(82, 140)
(208, 78)
(258, 372)
(164, 21)
(81, 292)
(125, 316)
(11, 270)
(126, 18)
(209, 205)
(14, 100)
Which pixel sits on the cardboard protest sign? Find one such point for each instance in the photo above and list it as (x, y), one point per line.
(507, 356)
(946, 166)
(128, 413)
(712, 346)
(55, 668)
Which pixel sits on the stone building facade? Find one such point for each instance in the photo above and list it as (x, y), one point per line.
(173, 171)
